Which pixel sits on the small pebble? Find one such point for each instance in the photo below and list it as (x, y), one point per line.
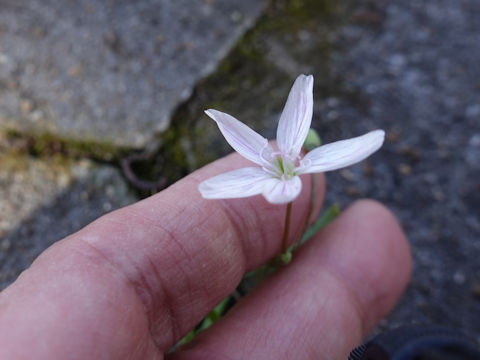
(404, 169)
(393, 136)
(5, 245)
(459, 278)
(333, 102)
(107, 206)
(75, 71)
(352, 191)
(26, 107)
(438, 194)
(333, 115)
(347, 174)
(368, 169)
(410, 153)
(236, 16)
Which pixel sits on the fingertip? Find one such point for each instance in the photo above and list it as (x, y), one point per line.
(368, 248)
(335, 290)
(385, 224)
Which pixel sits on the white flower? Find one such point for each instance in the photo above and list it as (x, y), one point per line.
(277, 176)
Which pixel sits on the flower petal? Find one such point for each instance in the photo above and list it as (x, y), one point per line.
(342, 153)
(296, 117)
(280, 191)
(244, 140)
(235, 184)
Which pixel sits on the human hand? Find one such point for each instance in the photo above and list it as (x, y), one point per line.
(131, 284)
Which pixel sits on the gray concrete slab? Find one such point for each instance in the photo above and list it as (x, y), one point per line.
(109, 71)
(42, 201)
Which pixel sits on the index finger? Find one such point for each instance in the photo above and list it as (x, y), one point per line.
(177, 252)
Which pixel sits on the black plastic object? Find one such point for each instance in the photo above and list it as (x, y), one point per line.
(418, 343)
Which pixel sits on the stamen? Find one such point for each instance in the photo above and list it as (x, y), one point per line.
(270, 171)
(303, 165)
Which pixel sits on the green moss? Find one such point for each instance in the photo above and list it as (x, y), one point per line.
(48, 145)
(12, 162)
(174, 155)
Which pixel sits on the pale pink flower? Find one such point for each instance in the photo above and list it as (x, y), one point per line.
(277, 176)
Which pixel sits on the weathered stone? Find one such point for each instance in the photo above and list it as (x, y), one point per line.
(109, 71)
(43, 201)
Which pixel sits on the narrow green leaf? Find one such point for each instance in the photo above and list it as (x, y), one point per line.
(215, 314)
(187, 337)
(212, 317)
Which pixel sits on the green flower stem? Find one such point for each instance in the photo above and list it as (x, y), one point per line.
(312, 205)
(286, 228)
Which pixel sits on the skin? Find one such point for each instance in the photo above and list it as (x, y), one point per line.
(132, 283)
